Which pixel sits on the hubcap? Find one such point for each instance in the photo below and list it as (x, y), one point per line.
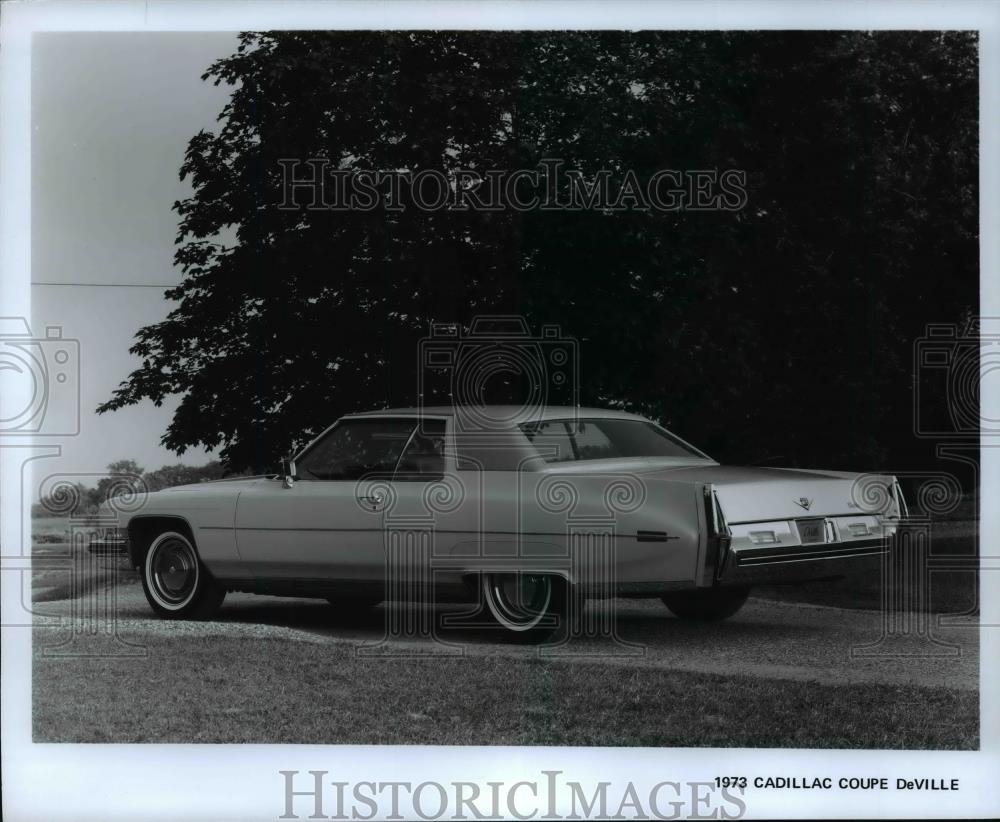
(172, 571)
(519, 601)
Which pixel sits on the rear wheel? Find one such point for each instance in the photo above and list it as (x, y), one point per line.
(530, 606)
(706, 605)
(176, 583)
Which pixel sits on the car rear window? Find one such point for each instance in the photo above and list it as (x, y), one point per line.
(596, 439)
(531, 446)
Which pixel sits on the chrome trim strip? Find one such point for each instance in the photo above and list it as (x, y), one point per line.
(381, 529)
(901, 507)
(653, 536)
(854, 515)
(820, 551)
(717, 540)
(108, 547)
(865, 552)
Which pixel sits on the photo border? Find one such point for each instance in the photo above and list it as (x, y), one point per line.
(216, 782)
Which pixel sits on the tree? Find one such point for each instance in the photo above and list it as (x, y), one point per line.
(66, 500)
(124, 477)
(784, 328)
(171, 475)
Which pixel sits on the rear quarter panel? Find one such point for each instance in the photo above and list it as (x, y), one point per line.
(585, 526)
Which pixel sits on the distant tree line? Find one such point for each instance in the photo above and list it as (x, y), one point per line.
(124, 476)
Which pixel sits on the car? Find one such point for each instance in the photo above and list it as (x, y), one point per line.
(523, 511)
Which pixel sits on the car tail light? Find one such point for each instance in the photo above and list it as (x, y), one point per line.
(763, 537)
(719, 535)
(902, 512)
(859, 529)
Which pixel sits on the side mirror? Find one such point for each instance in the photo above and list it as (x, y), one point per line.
(287, 472)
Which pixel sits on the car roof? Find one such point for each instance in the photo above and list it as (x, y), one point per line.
(510, 414)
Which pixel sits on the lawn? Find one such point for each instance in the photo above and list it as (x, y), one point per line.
(275, 691)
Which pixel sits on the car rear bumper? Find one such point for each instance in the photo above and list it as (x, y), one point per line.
(766, 565)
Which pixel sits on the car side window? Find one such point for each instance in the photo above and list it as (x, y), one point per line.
(423, 457)
(552, 440)
(355, 449)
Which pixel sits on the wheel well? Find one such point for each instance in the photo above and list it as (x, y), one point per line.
(142, 531)
(473, 579)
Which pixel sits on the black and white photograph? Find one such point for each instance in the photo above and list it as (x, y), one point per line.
(499, 411)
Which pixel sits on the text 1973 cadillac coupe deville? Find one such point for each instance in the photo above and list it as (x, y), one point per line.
(516, 509)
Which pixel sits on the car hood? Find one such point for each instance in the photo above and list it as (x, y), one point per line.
(214, 486)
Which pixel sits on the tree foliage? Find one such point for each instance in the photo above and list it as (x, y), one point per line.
(784, 329)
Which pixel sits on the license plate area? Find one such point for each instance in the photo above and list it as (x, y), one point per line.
(811, 531)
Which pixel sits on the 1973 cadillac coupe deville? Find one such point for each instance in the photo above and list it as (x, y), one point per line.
(518, 509)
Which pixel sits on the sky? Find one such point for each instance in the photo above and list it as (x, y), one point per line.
(111, 117)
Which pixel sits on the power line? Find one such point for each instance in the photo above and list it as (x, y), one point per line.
(109, 285)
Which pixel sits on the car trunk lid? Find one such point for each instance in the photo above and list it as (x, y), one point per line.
(758, 494)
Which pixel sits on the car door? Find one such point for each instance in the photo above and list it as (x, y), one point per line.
(328, 525)
(417, 515)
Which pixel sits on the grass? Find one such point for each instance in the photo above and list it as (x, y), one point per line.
(950, 592)
(199, 689)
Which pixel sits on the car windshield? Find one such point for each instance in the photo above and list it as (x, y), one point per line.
(598, 439)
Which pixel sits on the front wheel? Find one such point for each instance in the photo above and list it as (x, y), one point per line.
(176, 583)
(706, 605)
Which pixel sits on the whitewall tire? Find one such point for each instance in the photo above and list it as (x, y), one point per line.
(176, 583)
(530, 606)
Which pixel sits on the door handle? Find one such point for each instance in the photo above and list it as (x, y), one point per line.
(373, 500)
